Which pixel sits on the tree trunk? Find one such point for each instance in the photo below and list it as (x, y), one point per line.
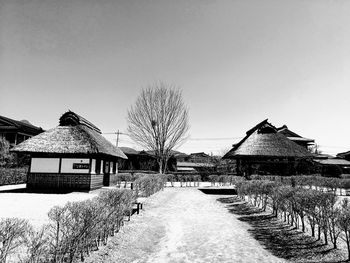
(302, 224)
(347, 243)
(319, 233)
(160, 162)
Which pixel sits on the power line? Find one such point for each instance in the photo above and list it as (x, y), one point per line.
(215, 139)
(339, 147)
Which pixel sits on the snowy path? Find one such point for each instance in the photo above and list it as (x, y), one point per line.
(200, 229)
(184, 225)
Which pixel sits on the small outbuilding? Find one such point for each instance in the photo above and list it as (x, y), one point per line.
(265, 150)
(72, 156)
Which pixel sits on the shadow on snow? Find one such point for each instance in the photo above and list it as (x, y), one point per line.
(279, 238)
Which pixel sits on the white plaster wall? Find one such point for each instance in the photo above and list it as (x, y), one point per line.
(67, 165)
(93, 166)
(44, 165)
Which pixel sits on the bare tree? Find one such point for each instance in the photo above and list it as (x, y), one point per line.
(159, 121)
(314, 149)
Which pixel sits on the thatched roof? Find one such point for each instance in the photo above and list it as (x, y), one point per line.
(71, 119)
(70, 139)
(264, 141)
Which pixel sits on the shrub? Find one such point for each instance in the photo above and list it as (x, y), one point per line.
(149, 184)
(332, 170)
(13, 175)
(13, 233)
(214, 178)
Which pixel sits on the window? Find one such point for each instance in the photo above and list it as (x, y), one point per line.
(114, 167)
(106, 167)
(98, 166)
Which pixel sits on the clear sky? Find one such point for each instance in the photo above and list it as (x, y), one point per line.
(237, 61)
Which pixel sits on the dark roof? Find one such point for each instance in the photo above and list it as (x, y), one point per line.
(292, 135)
(71, 138)
(153, 153)
(128, 150)
(19, 126)
(264, 140)
(322, 156)
(335, 161)
(300, 139)
(343, 154)
(199, 154)
(193, 165)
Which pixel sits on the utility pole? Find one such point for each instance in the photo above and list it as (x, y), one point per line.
(117, 138)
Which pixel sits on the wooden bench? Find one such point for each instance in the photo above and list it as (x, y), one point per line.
(139, 204)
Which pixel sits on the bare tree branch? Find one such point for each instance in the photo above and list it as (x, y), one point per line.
(159, 120)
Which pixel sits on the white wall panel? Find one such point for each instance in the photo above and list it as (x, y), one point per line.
(44, 165)
(67, 165)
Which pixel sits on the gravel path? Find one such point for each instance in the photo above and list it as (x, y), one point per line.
(184, 225)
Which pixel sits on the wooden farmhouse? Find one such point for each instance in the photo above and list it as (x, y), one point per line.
(265, 150)
(16, 132)
(142, 161)
(344, 155)
(72, 156)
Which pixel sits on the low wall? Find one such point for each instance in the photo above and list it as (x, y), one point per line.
(63, 182)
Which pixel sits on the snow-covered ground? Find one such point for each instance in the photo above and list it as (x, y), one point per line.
(184, 225)
(32, 206)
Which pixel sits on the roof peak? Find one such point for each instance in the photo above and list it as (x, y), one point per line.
(70, 118)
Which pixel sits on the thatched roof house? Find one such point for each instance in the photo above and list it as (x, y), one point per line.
(262, 146)
(71, 156)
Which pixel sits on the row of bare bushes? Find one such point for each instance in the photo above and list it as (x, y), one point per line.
(300, 206)
(144, 183)
(185, 180)
(311, 181)
(13, 175)
(76, 229)
(221, 180)
(147, 184)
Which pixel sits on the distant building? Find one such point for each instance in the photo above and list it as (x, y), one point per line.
(265, 150)
(343, 164)
(344, 155)
(304, 142)
(16, 132)
(143, 161)
(72, 156)
(195, 167)
(200, 157)
(195, 162)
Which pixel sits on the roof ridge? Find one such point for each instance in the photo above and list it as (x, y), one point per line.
(71, 118)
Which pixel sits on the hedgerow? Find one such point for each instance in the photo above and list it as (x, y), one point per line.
(13, 175)
(301, 200)
(76, 228)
